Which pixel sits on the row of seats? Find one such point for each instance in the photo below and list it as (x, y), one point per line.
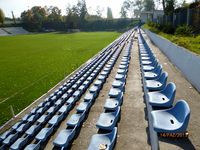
(160, 95)
(74, 123)
(43, 119)
(48, 114)
(107, 122)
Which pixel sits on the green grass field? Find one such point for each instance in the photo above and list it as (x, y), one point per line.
(31, 64)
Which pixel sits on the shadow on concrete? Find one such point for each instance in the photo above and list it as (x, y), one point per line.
(183, 143)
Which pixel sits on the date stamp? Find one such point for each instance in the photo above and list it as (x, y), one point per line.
(174, 135)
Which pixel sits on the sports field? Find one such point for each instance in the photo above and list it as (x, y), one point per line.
(31, 64)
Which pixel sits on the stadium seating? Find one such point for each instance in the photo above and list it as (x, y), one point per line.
(103, 141)
(173, 120)
(163, 117)
(107, 122)
(163, 98)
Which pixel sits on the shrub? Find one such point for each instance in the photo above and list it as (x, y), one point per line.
(168, 28)
(183, 30)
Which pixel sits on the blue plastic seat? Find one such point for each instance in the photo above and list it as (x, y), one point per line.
(64, 137)
(104, 73)
(103, 141)
(98, 83)
(76, 119)
(118, 84)
(77, 94)
(122, 71)
(120, 77)
(173, 120)
(35, 146)
(89, 97)
(58, 102)
(19, 143)
(10, 139)
(51, 110)
(108, 120)
(72, 100)
(123, 66)
(83, 106)
(44, 134)
(56, 119)
(16, 125)
(114, 92)
(157, 84)
(22, 127)
(102, 78)
(113, 103)
(65, 108)
(94, 90)
(154, 74)
(33, 129)
(43, 119)
(163, 98)
(5, 135)
(150, 67)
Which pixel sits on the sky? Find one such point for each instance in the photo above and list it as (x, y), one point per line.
(18, 6)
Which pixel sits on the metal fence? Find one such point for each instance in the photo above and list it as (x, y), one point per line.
(189, 16)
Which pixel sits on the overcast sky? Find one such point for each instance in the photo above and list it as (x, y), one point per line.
(18, 6)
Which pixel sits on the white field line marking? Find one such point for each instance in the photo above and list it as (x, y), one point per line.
(16, 93)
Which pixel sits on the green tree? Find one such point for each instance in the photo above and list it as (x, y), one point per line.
(149, 5)
(72, 18)
(169, 6)
(99, 11)
(34, 17)
(123, 13)
(125, 8)
(139, 5)
(54, 14)
(2, 16)
(82, 10)
(109, 13)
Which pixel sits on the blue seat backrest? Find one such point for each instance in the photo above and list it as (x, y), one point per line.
(158, 69)
(181, 111)
(163, 77)
(170, 90)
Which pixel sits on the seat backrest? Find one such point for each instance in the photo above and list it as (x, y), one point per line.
(158, 69)
(163, 77)
(170, 91)
(181, 111)
(117, 111)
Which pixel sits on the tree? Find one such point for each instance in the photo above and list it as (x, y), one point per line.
(138, 5)
(34, 18)
(109, 13)
(123, 13)
(72, 18)
(54, 14)
(82, 10)
(2, 16)
(169, 6)
(149, 5)
(129, 6)
(125, 8)
(99, 11)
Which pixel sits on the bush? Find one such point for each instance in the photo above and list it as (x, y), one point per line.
(168, 28)
(184, 30)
